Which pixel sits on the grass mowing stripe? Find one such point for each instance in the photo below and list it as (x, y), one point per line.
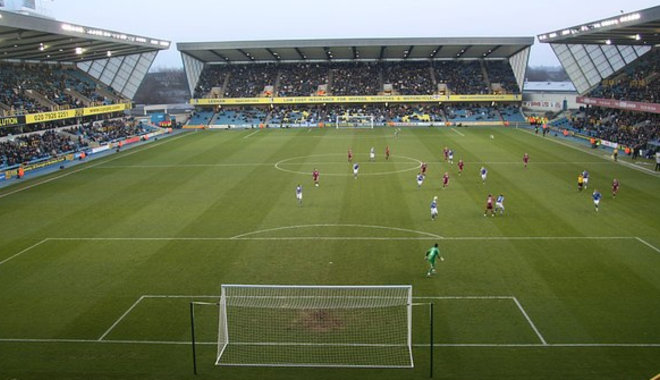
(92, 165)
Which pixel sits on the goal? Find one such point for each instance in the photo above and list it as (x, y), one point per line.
(354, 121)
(315, 326)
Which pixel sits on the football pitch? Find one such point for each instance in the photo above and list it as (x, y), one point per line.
(99, 263)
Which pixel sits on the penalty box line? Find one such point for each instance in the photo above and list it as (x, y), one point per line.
(367, 238)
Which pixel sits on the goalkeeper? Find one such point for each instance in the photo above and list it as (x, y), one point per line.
(431, 255)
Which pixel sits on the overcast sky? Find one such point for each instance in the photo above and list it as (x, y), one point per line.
(239, 20)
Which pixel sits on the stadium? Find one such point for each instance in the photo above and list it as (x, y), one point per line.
(358, 208)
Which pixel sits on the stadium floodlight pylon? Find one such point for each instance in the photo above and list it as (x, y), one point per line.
(354, 121)
(315, 326)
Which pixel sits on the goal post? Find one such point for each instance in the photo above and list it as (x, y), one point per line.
(354, 121)
(315, 326)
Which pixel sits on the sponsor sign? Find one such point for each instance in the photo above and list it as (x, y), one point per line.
(620, 104)
(11, 121)
(43, 164)
(43, 117)
(357, 99)
(609, 144)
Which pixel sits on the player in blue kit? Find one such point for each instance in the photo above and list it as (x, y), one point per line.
(585, 178)
(420, 180)
(499, 204)
(484, 174)
(299, 194)
(596, 196)
(356, 168)
(434, 208)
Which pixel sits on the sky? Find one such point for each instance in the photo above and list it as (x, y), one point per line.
(244, 20)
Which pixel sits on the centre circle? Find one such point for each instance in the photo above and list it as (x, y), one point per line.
(366, 163)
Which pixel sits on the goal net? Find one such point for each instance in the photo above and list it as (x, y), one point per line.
(354, 121)
(315, 326)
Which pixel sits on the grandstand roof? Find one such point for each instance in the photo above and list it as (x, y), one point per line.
(635, 28)
(355, 49)
(36, 38)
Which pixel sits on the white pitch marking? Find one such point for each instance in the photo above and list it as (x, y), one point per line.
(529, 320)
(417, 163)
(167, 166)
(416, 297)
(437, 344)
(337, 225)
(120, 318)
(624, 163)
(638, 239)
(23, 251)
(538, 237)
(454, 129)
(431, 236)
(133, 151)
(321, 163)
(253, 133)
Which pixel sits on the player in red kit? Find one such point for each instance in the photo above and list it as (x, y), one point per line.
(489, 206)
(387, 152)
(445, 180)
(445, 151)
(615, 187)
(460, 167)
(350, 155)
(424, 169)
(315, 176)
(525, 159)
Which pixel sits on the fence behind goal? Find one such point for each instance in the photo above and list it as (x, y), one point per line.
(315, 326)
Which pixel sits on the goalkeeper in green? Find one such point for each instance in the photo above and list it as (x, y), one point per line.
(430, 256)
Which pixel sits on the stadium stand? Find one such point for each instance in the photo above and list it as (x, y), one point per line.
(639, 81)
(471, 112)
(461, 77)
(302, 79)
(36, 146)
(241, 116)
(250, 80)
(201, 118)
(619, 126)
(500, 73)
(409, 78)
(29, 88)
(356, 78)
(353, 78)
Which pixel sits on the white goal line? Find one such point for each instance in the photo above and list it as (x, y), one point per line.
(512, 298)
(436, 344)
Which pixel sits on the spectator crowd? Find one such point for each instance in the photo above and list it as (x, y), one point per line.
(354, 78)
(624, 127)
(30, 88)
(638, 82)
(25, 148)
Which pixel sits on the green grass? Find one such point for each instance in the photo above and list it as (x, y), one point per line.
(158, 220)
